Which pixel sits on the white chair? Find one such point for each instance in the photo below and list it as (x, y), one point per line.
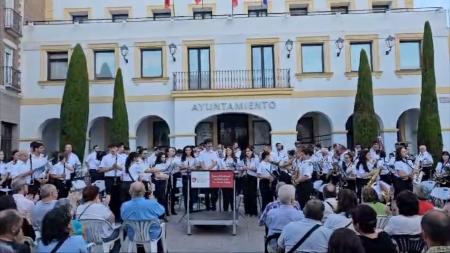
(94, 229)
(141, 234)
(382, 221)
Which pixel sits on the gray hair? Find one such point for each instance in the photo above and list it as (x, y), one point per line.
(47, 190)
(137, 189)
(422, 192)
(314, 209)
(65, 202)
(18, 184)
(286, 193)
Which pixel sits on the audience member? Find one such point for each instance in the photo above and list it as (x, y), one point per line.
(7, 202)
(365, 222)
(423, 195)
(77, 227)
(11, 231)
(436, 231)
(345, 240)
(49, 195)
(24, 205)
(314, 240)
(370, 198)
(347, 201)
(56, 234)
(330, 202)
(408, 220)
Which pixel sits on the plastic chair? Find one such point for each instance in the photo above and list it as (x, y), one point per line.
(409, 243)
(94, 229)
(141, 234)
(382, 221)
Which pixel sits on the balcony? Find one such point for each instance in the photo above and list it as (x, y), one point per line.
(13, 22)
(223, 80)
(10, 78)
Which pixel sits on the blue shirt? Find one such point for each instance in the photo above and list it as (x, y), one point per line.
(73, 244)
(141, 209)
(279, 217)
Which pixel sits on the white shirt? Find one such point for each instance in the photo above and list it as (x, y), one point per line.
(92, 161)
(325, 162)
(109, 160)
(250, 165)
(73, 160)
(59, 169)
(361, 173)
(207, 158)
(338, 220)
(306, 168)
(424, 159)
(37, 162)
(350, 169)
(330, 205)
(279, 156)
(264, 169)
(403, 225)
(135, 170)
(3, 168)
(404, 166)
(162, 167)
(440, 167)
(95, 211)
(374, 154)
(24, 205)
(18, 168)
(228, 164)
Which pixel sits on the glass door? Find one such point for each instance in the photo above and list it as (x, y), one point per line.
(199, 69)
(233, 128)
(263, 70)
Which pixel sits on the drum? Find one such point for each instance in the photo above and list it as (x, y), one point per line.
(440, 196)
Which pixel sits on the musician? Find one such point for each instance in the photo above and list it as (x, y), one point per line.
(287, 167)
(325, 160)
(303, 178)
(173, 163)
(188, 163)
(18, 169)
(72, 159)
(383, 162)
(375, 150)
(112, 165)
(424, 162)
(160, 178)
(209, 160)
(132, 173)
(92, 163)
(404, 169)
(364, 168)
(237, 150)
(249, 165)
(38, 164)
(443, 169)
(229, 162)
(357, 149)
(349, 170)
(60, 175)
(265, 174)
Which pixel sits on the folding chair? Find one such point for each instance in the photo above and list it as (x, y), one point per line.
(141, 234)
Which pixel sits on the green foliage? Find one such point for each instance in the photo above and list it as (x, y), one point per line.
(365, 123)
(429, 131)
(74, 112)
(119, 126)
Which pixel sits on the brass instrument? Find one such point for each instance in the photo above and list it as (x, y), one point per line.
(295, 175)
(374, 177)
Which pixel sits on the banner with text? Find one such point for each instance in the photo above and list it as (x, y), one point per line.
(212, 179)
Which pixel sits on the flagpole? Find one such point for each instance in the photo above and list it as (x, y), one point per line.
(232, 8)
(173, 8)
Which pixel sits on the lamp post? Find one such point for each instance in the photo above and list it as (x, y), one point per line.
(339, 45)
(389, 44)
(289, 45)
(173, 51)
(124, 52)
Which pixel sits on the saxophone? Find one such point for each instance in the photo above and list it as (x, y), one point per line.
(374, 177)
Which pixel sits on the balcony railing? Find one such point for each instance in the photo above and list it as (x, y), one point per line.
(232, 79)
(10, 78)
(13, 21)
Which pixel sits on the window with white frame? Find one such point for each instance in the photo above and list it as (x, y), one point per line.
(410, 54)
(355, 51)
(312, 58)
(57, 63)
(105, 62)
(151, 63)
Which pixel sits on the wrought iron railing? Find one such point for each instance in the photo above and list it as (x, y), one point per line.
(314, 139)
(231, 79)
(10, 78)
(13, 21)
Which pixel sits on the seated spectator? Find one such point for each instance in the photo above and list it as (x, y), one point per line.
(330, 202)
(435, 231)
(345, 240)
(49, 195)
(374, 241)
(24, 204)
(317, 241)
(347, 201)
(77, 227)
(7, 202)
(56, 234)
(408, 220)
(141, 209)
(447, 208)
(278, 218)
(370, 198)
(11, 231)
(423, 194)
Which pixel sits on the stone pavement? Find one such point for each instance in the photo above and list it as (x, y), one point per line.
(217, 239)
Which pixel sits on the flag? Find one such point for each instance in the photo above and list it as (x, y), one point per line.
(167, 4)
(234, 3)
(264, 2)
(198, 1)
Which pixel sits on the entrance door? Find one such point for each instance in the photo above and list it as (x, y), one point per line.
(233, 128)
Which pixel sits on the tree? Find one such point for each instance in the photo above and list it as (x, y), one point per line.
(74, 113)
(119, 125)
(429, 131)
(365, 123)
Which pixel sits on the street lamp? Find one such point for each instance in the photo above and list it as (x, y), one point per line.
(173, 50)
(124, 52)
(389, 44)
(289, 45)
(339, 45)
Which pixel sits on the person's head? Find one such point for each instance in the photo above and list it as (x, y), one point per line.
(208, 144)
(369, 195)
(265, 156)
(375, 146)
(286, 194)
(329, 191)
(137, 190)
(187, 152)
(358, 147)
(235, 145)
(91, 193)
(435, 228)
(314, 209)
(306, 153)
(55, 226)
(7, 202)
(15, 155)
(344, 240)
(37, 147)
(348, 157)
(121, 148)
(407, 203)
(267, 148)
(249, 153)
(324, 151)
(401, 153)
(68, 148)
(112, 149)
(171, 152)
(445, 156)
(65, 204)
(22, 156)
(422, 148)
(364, 156)
(95, 148)
(11, 221)
(347, 201)
(229, 152)
(160, 158)
(19, 186)
(279, 146)
(422, 192)
(364, 219)
(48, 192)
(131, 158)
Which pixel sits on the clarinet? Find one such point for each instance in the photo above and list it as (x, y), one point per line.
(64, 174)
(31, 169)
(115, 171)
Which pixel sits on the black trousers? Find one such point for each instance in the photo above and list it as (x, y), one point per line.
(161, 193)
(193, 194)
(267, 194)
(387, 178)
(250, 188)
(227, 199)
(34, 187)
(113, 187)
(360, 183)
(303, 192)
(63, 188)
(125, 191)
(95, 175)
(401, 185)
(427, 173)
(173, 190)
(351, 185)
(211, 196)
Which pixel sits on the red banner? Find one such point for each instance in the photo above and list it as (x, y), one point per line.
(167, 4)
(234, 3)
(222, 179)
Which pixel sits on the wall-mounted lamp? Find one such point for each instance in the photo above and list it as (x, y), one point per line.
(124, 52)
(289, 45)
(389, 44)
(173, 51)
(339, 45)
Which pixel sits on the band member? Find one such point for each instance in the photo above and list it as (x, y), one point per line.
(287, 167)
(39, 166)
(17, 168)
(174, 172)
(112, 165)
(385, 174)
(249, 165)
(72, 160)
(60, 175)
(92, 164)
(131, 174)
(187, 164)
(3, 170)
(424, 162)
(146, 177)
(160, 178)
(304, 182)
(237, 150)
(325, 160)
(349, 171)
(364, 168)
(209, 160)
(265, 175)
(228, 163)
(375, 150)
(443, 169)
(404, 169)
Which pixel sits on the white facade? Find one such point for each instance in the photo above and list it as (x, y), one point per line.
(328, 97)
